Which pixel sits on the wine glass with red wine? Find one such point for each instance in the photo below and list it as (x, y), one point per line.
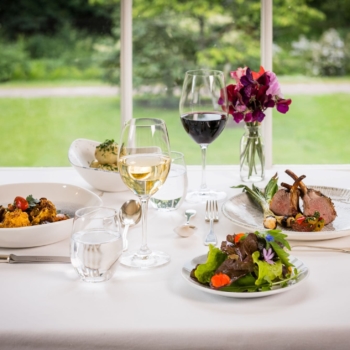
(203, 111)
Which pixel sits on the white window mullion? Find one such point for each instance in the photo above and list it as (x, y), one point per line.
(266, 62)
(125, 61)
(126, 66)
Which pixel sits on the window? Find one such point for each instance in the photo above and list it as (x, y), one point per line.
(42, 55)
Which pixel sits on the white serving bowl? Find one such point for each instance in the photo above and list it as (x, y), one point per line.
(81, 153)
(67, 199)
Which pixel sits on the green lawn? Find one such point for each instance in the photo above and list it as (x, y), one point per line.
(38, 132)
(314, 131)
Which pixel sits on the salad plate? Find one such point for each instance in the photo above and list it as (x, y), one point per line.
(279, 287)
(242, 211)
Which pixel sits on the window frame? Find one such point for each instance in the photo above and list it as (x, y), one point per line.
(126, 91)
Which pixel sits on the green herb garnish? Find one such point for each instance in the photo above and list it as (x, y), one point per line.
(107, 146)
(32, 202)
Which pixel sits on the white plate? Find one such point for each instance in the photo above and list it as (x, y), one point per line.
(67, 198)
(243, 212)
(276, 289)
(80, 154)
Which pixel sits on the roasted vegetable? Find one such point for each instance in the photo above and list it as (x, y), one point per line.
(303, 223)
(263, 199)
(43, 211)
(21, 203)
(29, 212)
(16, 218)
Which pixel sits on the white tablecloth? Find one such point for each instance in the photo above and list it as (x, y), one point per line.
(46, 306)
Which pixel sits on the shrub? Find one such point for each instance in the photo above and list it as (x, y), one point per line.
(69, 54)
(286, 64)
(13, 59)
(55, 69)
(325, 57)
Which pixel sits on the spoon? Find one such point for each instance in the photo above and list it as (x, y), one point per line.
(186, 230)
(129, 215)
(189, 213)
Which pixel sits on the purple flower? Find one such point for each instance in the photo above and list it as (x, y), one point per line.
(283, 105)
(268, 255)
(248, 118)
(238, 116)
(258, 116)
(269, 103)
(252, 94)
(264, 79)
(248, 91)
(247, 79)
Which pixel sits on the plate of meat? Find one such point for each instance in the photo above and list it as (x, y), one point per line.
(290, 201)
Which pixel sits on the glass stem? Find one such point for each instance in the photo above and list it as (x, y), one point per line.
(144, 251)
(204, 187)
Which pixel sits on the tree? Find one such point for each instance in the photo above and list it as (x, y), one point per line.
(28, 17)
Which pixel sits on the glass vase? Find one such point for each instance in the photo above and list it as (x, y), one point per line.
(252, 156)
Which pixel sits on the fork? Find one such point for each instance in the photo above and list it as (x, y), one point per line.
(216, 214)
(212, 213)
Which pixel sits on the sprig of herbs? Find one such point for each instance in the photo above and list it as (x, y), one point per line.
(107, 146)
(32, 202)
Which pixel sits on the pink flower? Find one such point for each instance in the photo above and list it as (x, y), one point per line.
(237, 75)
(252, 94)
(274, 88)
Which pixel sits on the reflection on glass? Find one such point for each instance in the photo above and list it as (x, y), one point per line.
(144, 163)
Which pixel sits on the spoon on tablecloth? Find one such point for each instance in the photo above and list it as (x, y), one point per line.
(187, 229)
(129, 215)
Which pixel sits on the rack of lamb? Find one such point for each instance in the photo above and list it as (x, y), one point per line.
(295, 206)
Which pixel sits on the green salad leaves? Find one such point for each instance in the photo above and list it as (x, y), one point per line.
(247, 262)
(204, 272)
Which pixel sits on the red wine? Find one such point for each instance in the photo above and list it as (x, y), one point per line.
(203, 127)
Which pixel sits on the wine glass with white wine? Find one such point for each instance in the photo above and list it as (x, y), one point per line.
(144, 163)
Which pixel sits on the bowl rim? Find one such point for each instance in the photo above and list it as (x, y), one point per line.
(83, 166)
(57, 184)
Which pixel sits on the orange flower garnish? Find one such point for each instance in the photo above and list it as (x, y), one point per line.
(238, 237)
(220, 280)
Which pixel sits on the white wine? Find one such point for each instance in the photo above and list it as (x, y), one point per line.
(144, 173)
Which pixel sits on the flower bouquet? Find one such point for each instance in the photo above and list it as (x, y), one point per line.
(252, 94)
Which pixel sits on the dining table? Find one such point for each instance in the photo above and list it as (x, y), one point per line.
(47, 306)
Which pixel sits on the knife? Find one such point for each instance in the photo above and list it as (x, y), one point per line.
(341, 250)
(12, 258)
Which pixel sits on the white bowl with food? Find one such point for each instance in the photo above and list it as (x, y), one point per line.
(101, 174)
(31, 221)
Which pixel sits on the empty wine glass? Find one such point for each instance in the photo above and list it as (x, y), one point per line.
(144, 163)
(203, 111)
